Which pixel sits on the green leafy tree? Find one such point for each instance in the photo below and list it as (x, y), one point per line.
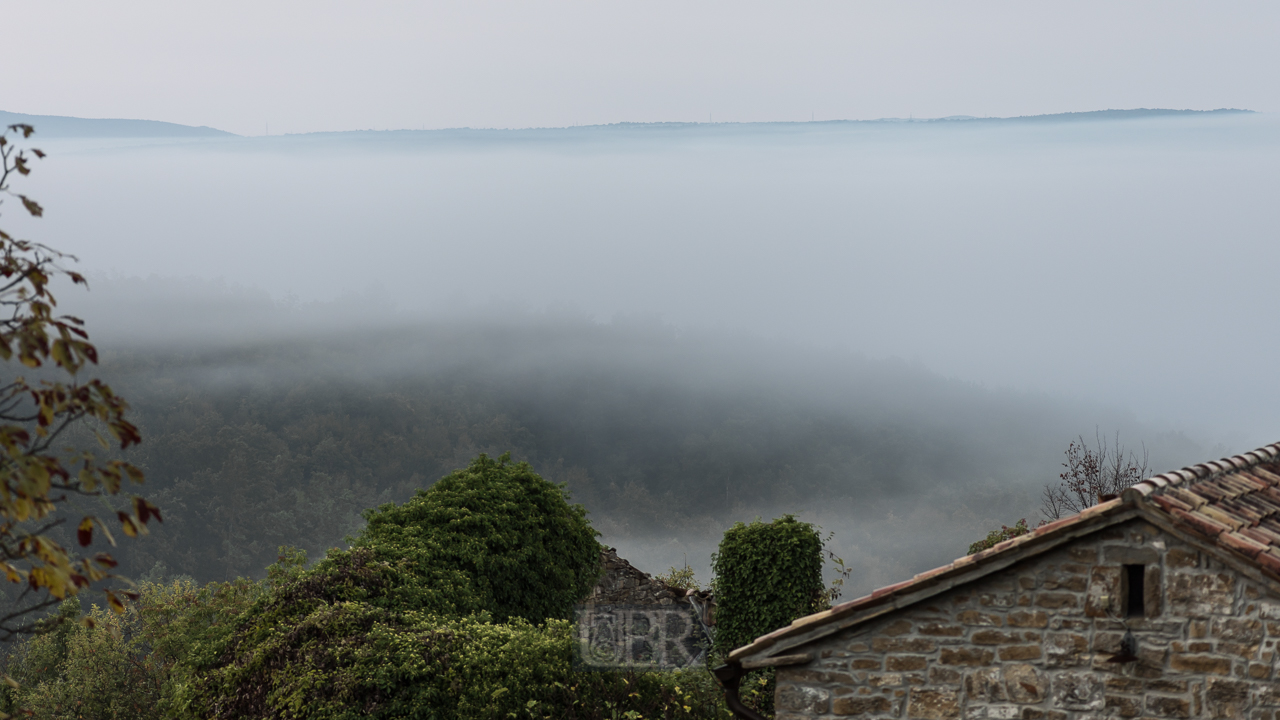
(85, 671)
(39, 474)
(524, 549)
(358, 635)
(130, 665)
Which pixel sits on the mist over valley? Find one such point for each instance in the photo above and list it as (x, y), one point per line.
(891, 329)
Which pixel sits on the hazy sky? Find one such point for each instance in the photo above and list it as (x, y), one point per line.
(320, 65)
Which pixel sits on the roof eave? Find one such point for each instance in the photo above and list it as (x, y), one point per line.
(939, 580)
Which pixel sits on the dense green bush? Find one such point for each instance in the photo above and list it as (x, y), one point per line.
(767, 574)
(510, 536)
(345, 659)
(403, 623)
(351, 660)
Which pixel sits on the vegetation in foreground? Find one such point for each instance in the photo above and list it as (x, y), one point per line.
(418, 619)
(46, 465)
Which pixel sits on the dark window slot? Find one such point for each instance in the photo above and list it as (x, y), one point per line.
(1135, 595)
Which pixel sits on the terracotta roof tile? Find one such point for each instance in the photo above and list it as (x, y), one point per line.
(1191, 499)
(1260, 534)
(1269, 560)
(1211, 492)
(1253, 481)
(890, 588)
(1271, 525)
(1223, 517)
(1264, 474)
(1168, 502)
(1242, 544)
(1200, 523)
(931, 573)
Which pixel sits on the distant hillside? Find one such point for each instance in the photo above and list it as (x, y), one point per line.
(1100, 115)
(666, 131)
(56, 126)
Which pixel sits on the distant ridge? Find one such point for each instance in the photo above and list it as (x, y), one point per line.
(1098, 115)
(57, 126)
(648, 128)
(1085, 116)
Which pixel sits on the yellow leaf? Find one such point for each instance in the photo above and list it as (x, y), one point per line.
(84, 531)
(88, 482)
(12, 573)
(128, 525)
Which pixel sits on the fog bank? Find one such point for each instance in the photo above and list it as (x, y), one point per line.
(1108, 261)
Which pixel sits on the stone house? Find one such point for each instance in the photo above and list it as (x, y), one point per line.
(1162, 603)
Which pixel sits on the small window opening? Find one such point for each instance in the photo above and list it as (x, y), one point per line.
(1135, 590)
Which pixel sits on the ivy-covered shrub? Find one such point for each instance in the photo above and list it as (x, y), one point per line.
(511, 538)
(402, 622)
(767, 574)
(352, 660)
(345, 660)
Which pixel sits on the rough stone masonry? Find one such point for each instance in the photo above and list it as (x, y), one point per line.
(623, 584)
(1033, 642)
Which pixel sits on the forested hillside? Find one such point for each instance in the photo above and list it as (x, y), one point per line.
(667, 439)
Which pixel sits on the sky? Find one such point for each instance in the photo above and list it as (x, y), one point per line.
(252, 67)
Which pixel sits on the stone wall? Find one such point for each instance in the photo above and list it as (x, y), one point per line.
(1033, 643)
(623, 584)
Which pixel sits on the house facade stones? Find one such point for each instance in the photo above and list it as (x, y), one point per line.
(1128, 610)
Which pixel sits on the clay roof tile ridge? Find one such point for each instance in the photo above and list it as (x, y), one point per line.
(1189, 475)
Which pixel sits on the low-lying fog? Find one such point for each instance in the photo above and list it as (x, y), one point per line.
(1115, 274)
